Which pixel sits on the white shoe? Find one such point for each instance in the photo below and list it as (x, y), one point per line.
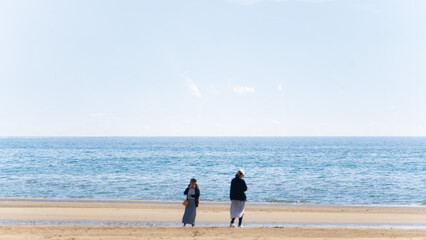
(240, 226)
(232, 225)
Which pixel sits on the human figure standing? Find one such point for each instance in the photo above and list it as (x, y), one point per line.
(192, 193)
(238, 198)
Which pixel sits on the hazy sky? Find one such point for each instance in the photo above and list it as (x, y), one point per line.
(213, 68)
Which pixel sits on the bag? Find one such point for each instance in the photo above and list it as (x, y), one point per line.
(185, 203)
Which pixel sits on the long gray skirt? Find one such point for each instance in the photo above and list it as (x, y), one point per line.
(190, 212)
(237, 208)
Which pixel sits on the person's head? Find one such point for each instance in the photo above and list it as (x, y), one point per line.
(193, 182)
(240, 174)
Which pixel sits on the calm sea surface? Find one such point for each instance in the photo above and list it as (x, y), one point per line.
(335, 170)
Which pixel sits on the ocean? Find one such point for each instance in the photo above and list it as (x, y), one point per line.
(288, 170)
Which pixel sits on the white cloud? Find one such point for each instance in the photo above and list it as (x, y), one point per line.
(252, 2)
(243, 90)
(245, 2)
(316, 1)
(97, 115)
(280, 87)
(276, 121)
(193, 87)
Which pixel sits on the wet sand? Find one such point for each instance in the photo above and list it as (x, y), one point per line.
(105, 219)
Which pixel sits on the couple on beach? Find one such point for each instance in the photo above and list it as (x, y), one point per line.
(237, 195)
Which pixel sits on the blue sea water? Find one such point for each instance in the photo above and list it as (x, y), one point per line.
(313, 170)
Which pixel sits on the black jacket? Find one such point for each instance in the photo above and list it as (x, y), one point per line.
(196, 195)
(238, 187)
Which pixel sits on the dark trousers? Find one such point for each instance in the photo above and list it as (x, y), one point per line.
(240, 220)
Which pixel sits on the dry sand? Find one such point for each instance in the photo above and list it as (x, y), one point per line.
(210, 233)
(212, 220)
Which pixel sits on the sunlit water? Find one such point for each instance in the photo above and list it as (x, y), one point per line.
(317, 170)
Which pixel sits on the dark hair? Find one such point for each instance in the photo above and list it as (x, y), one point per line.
(194, 181)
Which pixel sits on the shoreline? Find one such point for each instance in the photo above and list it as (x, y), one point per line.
(207, 202)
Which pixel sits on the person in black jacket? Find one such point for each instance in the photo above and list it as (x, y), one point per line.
(238, 198)
(192, 193)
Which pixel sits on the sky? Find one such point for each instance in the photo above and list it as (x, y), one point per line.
(213, 68)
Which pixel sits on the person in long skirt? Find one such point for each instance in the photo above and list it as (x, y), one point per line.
(192, 193)
(238, 198)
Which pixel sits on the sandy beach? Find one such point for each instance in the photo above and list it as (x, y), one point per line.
(126, 219)
(120, 232)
